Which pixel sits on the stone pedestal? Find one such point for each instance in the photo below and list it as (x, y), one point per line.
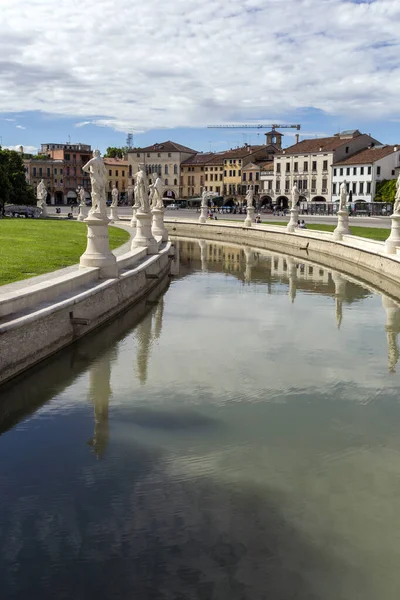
(394, 238)
(294, 217)
(114, 216)
(134, 220)
(249, 220)
(83, 212)
(158, 228)
(98, 253)
(203, 214)
(342, 226)
(43, 213)
(144, 238)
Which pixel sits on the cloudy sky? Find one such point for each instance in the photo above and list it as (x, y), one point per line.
(91, 71)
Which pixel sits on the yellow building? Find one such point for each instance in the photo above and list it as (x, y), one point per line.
(192, 174)
(117, 174)
(234, 162)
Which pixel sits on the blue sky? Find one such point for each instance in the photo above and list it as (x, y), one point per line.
(92, 73)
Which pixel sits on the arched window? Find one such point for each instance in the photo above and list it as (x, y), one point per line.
(166, 169)
(175, 182)
(166, 182)
(175, 169)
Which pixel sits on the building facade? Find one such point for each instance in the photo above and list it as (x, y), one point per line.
(60, 167)
(117, 174)
(234, 162)
(193, 174)
(363, 170)
(309, 164)
(164, 159)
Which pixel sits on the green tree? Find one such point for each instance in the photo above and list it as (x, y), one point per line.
(113, 152)
(386, 191)
(14, 188)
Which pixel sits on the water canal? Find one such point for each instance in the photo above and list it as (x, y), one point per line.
(237, 438)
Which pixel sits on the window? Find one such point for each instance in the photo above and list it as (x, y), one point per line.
(244, 176)
(361, 187)
(61, 171)
(166, 182)
(278, 168)
(348, 171)
(239, 173)
(347, 149)
(250, 176)
(67, 157)
(378, 170)
(270, 184)
(169, 154)
(257, 176)
(40, 170)
(296, 167)
(278, 186)
(393, 171)
(314, 165)
(158, 154)
(206, 176)
(325, 165)
(116, 184)
(166, 170)
(175, 169)
(361, 170)
(175, 182)
(239, 162)
(116, 173)
(305, 166)
(369, 188)
(48, 171)
(355, 171)
(109, 172)
(354, 188)
(348, 187)
(287, 185)
(220, 177)
(123, 173)
(324, 184)
(234, 173)
(224, 173)
(305, 184)
(341, 172)
(334, 189)
(287, 167)
(34, 171)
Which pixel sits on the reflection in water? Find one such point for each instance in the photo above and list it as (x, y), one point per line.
(256, 454)
(392, 310)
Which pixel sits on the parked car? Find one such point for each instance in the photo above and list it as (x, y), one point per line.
(173, 206)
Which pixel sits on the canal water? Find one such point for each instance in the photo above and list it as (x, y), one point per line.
(234, 437)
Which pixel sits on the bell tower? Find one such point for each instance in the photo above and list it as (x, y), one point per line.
(275, 138)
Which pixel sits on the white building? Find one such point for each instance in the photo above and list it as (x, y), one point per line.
(309, 164)
(363, 170)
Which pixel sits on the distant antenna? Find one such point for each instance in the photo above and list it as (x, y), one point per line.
(69, 139)
(129, 140)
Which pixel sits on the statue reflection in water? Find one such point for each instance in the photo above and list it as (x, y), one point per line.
(100, 393)
(147, 332)
(392, 331)
(340, 295)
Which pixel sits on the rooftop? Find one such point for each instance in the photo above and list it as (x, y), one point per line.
(116, 161)
(199, 159)
(242, 152)
(327, 144)
(167, 146)
(368, 155)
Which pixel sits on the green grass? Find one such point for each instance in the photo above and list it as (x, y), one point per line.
(30, 247)
(373, 233)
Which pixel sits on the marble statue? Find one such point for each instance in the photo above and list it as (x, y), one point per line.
(157, 195)
(98, 179)
(41, 194)
(114, 195)
(204, 198)
(82, 197)
(295, 197)
(250, 196)
(141, 191)
(343, 196)
(396, 206)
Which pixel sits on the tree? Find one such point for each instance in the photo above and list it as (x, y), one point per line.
(14, 188)
(113, 152)
(386, 191)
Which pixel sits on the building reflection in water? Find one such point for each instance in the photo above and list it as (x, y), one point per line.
(99, 394)
(250, 257)
(392, 328)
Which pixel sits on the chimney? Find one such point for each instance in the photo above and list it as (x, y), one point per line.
(320, 148)
(297, 138)
(21, 149)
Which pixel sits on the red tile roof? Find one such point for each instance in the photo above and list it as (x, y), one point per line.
(116, 162)
(165, 147)
(199, 159)
(368, 155)
(317, 145)
(242, 152)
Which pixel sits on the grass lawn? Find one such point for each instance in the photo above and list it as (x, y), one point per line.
(30, 247)
(373, 233)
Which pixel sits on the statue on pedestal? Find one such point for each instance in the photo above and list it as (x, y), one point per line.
(157, 193)
(295, 197)
(41, 195)
(115, 196)
(396, 206)
(82, 197)
(343, 196)
(250, 196)
(141, 191)
(204, 198)
(98, 179)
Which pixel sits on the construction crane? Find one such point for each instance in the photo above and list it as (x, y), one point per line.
(258, 126)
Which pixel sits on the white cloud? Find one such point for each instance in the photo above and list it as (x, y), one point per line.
(190, 63)
(82, 124)
(27, 149)
(20, 127)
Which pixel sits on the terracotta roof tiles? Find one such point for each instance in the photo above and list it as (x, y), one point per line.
(368, 155)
